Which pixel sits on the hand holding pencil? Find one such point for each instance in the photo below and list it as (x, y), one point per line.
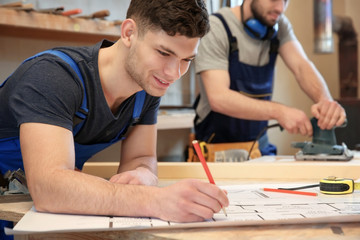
(205, 166)
(188, 200)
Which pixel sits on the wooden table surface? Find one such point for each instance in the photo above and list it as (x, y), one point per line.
(292, 232)
(312, 172)
(14, 212)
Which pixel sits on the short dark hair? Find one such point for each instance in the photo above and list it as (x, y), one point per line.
(185, 17)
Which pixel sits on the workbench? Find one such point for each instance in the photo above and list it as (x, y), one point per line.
(269, 169)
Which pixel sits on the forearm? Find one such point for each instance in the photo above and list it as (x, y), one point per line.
(306, 74)
(148, 162)
(138, 163)
(312, 82)
(185, 201)
(237, 105)
(48, 156)
(291, 119)
(141, 171)
(233, 103)
(68, 191)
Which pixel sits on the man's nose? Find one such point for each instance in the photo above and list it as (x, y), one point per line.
(172, 69)
(280, 6)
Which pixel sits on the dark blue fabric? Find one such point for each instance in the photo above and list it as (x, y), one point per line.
(10, 152)
(74, 66)
(4, 224)
(84, 152)
(265, 147)
(10, 155)
(253, 81)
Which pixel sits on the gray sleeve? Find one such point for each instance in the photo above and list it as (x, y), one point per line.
(286, 32)
(213, 49)
(47, 94)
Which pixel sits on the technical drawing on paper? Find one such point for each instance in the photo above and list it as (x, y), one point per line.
(248, 204)
(255, 204)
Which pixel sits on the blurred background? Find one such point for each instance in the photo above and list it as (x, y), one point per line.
(16, 46)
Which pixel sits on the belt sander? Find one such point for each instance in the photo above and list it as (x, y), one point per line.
(323, 146)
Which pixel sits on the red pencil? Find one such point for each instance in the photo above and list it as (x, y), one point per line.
(289, 191)
(205, 166)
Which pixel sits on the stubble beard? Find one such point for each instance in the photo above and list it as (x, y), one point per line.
(256, 11)
(135, 73)
(132, 70)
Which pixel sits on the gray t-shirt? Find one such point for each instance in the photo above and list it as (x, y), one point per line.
(214, 48)
(46, 90)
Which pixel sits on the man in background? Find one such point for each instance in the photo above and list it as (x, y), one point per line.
(236, 62)
(53, 118)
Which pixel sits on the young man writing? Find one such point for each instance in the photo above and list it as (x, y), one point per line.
(43, 98)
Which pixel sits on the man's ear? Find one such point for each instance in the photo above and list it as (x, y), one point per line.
(128, 30)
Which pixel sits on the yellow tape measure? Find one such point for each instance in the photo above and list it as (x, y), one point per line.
(334, 185)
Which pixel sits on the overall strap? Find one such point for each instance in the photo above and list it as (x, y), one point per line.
(139, 103)
(232, 39)
(82, 113)
(274, 43)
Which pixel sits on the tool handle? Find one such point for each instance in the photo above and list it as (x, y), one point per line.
(117, 22)
(22, 7)
(57, 10)
(100, 14)
(71, 12)
(12, 5)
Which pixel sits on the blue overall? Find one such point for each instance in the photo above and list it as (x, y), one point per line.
(10, 153)
(252, 81)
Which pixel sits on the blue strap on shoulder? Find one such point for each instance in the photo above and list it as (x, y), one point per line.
(139, 102)
(83, 111)
(139, 98)
(232, 39)
(74, 66)
(82, 114)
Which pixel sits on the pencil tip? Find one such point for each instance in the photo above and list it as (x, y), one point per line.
(224, 211)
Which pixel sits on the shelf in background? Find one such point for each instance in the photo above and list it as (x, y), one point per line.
(56, 27)
(175, 119)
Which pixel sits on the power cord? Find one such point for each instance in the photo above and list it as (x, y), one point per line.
(303, 187)
(260, 134)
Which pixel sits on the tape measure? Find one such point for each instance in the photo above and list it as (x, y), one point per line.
(334, 185)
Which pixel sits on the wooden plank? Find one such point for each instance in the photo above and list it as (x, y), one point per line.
(270, 232)
(14, 211)
(42, 25)
(283, 167)
(15, 198)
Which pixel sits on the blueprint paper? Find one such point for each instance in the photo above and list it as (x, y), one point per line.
(249, 205)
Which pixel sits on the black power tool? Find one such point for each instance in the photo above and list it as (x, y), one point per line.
(323, 146)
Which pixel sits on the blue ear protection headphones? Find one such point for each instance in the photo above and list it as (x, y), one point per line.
(255, 29)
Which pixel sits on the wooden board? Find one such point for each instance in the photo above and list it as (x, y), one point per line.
(280, 167)
(50, 26)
